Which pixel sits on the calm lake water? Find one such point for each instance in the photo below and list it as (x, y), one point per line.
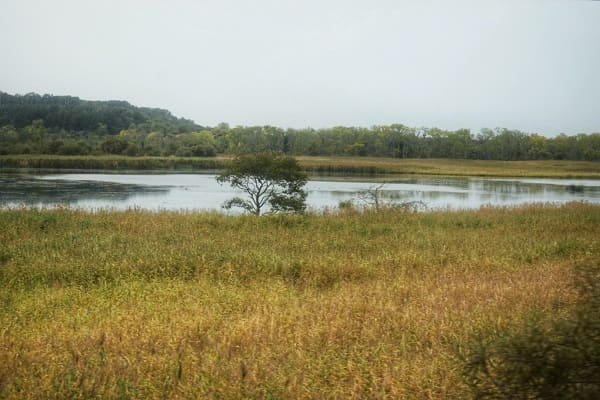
(202, 192)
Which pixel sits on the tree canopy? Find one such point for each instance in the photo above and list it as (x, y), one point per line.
(270, 180)
(67, 125)
(71, 113)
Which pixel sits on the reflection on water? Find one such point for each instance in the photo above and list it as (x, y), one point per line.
(202, 192)
(29, 190)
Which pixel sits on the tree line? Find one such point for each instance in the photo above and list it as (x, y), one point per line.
(34, 124)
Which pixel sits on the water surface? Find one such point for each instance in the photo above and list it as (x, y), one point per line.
(202, 192)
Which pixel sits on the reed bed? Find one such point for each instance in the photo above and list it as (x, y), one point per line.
(451, 167)
(118, 163)
(322, 306)
(368, 166)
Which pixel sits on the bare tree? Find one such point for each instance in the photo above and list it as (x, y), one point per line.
(373, 197)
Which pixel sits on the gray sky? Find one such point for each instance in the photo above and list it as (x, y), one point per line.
(532, 65)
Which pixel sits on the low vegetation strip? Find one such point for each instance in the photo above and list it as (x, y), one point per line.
(344, 305)
(111, 163)
(448, 167)
(320, 165)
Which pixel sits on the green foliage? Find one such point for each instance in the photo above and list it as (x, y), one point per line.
(73, 114)
(30, 123)
(114, 145)
(559, 359)
(268, 179)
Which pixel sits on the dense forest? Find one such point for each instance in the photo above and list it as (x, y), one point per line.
(36, 124)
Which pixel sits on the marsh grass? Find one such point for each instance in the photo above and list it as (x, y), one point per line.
(367, 166)
(110, 162)
(337, 305)
(450, 167)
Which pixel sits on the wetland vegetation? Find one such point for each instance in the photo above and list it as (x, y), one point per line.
(318, 165)
(347, 304)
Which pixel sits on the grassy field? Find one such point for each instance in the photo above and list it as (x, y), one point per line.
(546, 168)
(322, 165)
(117, 163)
(334, 306)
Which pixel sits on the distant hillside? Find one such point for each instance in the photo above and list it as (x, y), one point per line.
(73, 114)
(66, 125)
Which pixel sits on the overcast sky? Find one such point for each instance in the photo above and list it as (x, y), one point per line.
(532, 65)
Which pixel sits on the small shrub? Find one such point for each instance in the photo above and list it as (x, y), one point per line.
(132, 150)
(346, 205)
(555, 360)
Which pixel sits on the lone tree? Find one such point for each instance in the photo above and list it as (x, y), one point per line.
(268, 179)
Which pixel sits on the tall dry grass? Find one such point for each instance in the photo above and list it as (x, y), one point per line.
(320, 165)
(342, 305)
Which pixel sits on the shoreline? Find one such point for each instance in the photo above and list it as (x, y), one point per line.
(314, 166)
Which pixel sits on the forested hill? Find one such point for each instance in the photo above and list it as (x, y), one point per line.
(73, 114)
(66, 125)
